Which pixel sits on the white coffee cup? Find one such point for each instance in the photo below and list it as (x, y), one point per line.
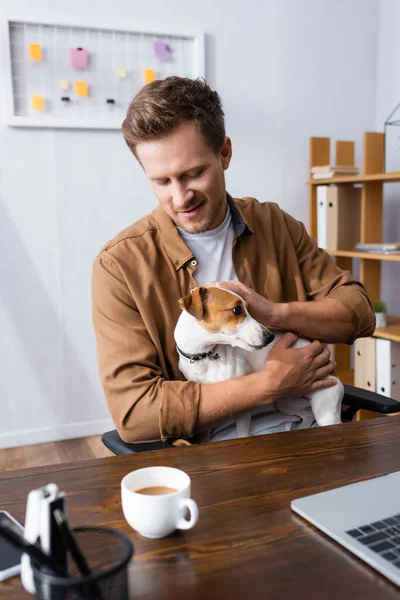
(156, 516)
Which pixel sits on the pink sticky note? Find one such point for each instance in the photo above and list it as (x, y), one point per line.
(78, 58)
(162, 51)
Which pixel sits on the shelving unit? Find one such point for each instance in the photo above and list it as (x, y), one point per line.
(371, 181)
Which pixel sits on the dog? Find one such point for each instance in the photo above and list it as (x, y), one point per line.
(217, 339)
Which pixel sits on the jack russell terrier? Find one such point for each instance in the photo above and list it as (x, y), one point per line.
(217, 339)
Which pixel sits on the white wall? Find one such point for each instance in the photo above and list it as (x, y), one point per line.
(388, 96)
(286, 69)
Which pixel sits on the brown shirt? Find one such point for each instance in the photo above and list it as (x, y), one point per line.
(138, 279)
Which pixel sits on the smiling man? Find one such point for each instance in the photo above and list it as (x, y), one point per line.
(173, 174)
(200, 234)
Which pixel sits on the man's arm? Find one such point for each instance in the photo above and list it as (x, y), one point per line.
(341, 310)
(328, 320)
(338, 310)
(143, 404)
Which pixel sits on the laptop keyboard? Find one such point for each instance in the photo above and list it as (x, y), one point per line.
(383, 537)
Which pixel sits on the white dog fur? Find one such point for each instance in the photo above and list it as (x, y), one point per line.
(242, 345)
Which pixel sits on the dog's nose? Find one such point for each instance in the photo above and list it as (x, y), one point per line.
(268, 337)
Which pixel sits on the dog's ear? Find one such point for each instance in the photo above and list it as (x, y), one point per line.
(194, 303)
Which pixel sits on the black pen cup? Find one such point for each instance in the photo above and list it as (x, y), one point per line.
(107, 553)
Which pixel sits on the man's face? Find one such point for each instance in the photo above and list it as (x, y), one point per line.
(187, 177)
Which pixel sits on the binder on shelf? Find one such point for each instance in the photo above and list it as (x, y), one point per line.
(338, 216)
(365, 363)
(388, 368)
(322, 217)
(343, 217)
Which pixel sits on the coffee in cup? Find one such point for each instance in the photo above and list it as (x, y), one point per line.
(156, 490)
(155, 501)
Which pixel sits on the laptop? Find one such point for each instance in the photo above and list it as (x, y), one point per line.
(364, 517)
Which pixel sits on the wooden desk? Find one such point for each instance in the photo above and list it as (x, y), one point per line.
(247, 543)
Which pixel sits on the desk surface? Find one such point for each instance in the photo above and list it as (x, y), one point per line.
(247, 543)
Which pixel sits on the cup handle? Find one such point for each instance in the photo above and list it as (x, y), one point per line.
(194, 514)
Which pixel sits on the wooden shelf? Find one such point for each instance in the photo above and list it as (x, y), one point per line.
(365, 255)
(370, 228)
(391, 331)
(381, 177)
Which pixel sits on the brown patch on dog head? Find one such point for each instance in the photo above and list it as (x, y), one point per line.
(222, 311)
(194, 303)
(216, 309)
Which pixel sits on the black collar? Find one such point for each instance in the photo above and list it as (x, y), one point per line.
(195, 357)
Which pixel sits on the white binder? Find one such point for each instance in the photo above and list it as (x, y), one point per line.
(322, 216)
(388, 368)
(343, 217)
(365, 363)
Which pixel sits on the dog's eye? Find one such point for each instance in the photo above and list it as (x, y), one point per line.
(237, 310)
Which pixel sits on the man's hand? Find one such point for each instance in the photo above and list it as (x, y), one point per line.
(296, 371)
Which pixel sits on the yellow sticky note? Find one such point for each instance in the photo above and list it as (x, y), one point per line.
(35, 51)
(81, 89)
(37, 102)
(121, 72)
(64, 85)
(149, 75)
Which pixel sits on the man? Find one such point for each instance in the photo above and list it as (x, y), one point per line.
(199, 234)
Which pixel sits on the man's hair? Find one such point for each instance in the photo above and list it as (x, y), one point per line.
(161, 106)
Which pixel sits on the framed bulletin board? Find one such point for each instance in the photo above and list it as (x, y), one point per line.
(84, 76)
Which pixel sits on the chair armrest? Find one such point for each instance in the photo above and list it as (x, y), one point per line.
(358, 399)
(113, 442)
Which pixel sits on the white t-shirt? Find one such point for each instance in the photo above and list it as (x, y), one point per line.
(213, 251)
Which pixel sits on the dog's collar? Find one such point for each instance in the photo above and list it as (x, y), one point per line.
(195, 357)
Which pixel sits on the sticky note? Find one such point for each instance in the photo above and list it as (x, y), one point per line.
(37, 102)
(121, 72)
(81, 89)
(64, 85)
(161, 50)
(78, 58)
(149, 75)
(35, 51)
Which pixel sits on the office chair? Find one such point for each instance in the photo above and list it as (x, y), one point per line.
(354, 400)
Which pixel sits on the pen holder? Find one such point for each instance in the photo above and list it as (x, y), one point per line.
(107, 553)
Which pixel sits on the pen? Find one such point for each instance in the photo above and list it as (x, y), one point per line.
(70, 543)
